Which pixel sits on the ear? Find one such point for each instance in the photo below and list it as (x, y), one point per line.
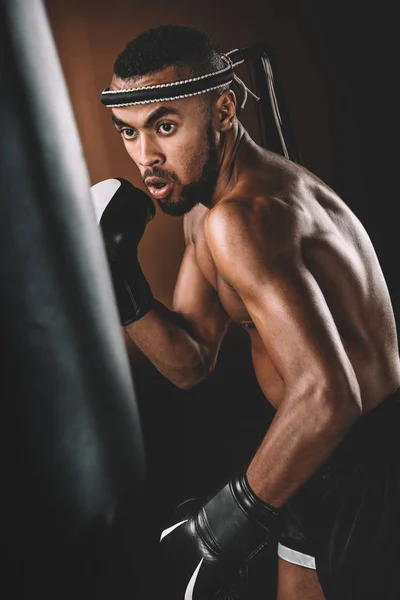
(225, 108)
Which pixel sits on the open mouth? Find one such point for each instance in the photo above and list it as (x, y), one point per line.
(159, 188)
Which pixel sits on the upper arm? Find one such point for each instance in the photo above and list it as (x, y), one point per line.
(197, 301)
(263, 263)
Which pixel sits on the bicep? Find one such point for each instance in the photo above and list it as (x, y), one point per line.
(293, 319)
(197, 301)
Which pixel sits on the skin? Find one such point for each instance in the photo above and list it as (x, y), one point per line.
(277, 251)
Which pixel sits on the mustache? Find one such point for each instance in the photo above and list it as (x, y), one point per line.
(169, 176)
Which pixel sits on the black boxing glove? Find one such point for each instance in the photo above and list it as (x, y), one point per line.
(209, 543)
(123, 211)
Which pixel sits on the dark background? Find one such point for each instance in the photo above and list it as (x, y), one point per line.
(337, 63)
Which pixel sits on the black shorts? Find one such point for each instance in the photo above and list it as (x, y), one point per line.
(345, 522)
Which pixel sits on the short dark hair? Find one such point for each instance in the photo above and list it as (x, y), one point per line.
(185, 48)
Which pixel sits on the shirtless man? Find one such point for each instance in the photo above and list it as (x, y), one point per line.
(272, 247)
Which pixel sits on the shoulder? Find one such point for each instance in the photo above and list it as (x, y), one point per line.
(238, 224)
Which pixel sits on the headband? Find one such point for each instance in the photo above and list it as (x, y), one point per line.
(274, 117)
(183, 88)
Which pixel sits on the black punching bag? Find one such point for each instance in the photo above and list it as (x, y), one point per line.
(277, 133)
(73, 470)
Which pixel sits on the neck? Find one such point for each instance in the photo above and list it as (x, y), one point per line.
(228, 146)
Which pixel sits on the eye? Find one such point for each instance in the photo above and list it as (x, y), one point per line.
(166, 128)
(128, 133)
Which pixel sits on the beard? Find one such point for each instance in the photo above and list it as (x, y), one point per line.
(196, 192)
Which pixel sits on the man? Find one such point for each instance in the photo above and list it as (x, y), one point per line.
(271, 247)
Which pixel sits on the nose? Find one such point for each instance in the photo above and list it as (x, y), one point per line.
(150, 153)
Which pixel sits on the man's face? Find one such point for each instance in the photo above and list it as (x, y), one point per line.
(172, 143)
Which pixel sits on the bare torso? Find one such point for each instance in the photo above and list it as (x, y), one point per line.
(337, 252)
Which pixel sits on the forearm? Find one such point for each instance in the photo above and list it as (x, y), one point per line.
(166, 340)
(302, 436)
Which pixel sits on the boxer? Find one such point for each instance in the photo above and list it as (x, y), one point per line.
(273, 248)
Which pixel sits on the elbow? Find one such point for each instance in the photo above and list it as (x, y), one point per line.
(340, 406)
(333, 405)
(187, 384)
(190, 378)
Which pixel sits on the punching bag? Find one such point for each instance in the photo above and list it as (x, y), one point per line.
(73, 465)
(276, 128)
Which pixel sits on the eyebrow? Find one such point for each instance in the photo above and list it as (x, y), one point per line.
(161, 111)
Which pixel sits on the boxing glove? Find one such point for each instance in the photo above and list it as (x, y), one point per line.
(123, 211)
(210, 543)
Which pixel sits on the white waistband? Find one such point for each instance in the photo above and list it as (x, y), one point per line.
(295, 557)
